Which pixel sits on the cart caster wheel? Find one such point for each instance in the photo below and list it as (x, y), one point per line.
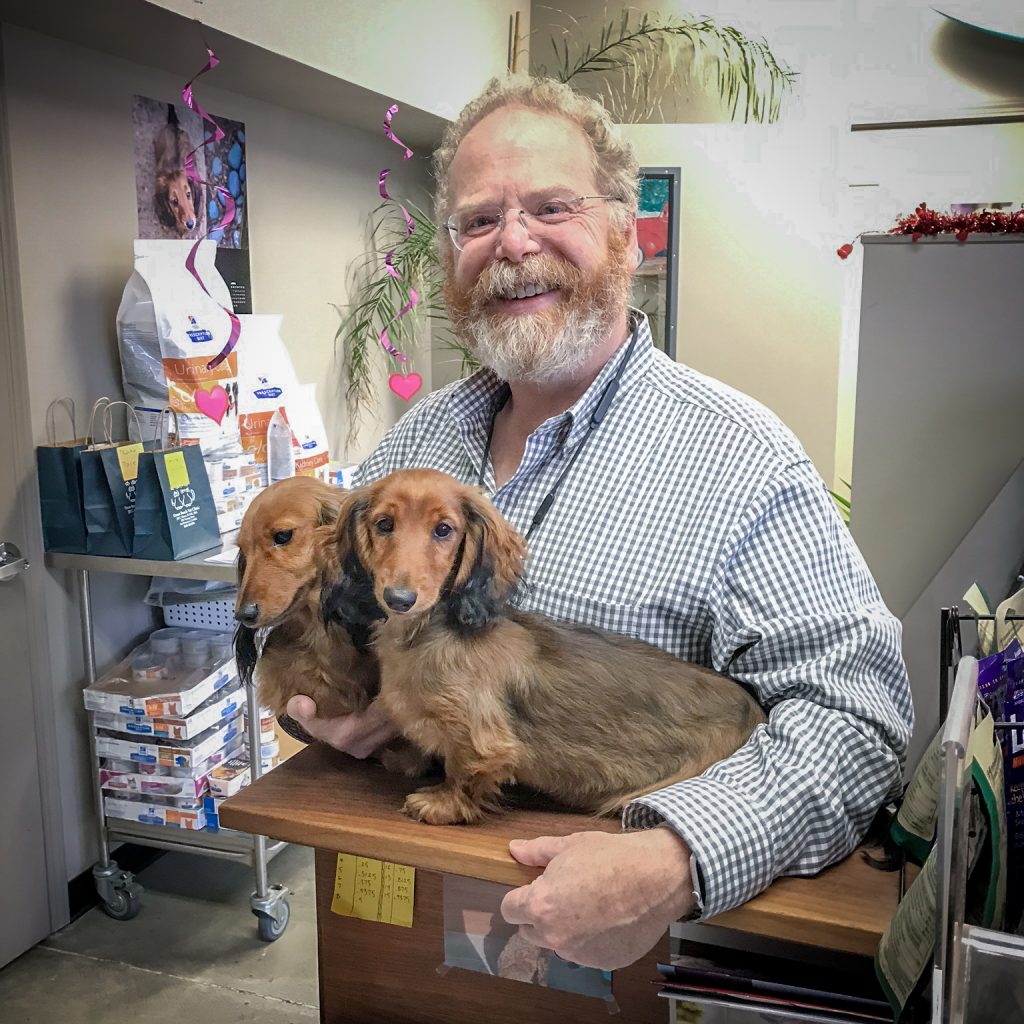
(271, 926)
(123, 905)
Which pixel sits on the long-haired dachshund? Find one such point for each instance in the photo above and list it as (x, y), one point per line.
(588, 717)
(176, 196)
(279, 589)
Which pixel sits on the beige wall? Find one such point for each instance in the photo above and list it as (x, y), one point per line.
(764, 303)
(311, 185)
(436, 54)
(758, 293)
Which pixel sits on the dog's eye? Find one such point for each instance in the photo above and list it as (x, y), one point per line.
(442, 530)
(281, 537)
(385, 524)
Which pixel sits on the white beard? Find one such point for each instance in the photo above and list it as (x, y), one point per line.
(531, 349)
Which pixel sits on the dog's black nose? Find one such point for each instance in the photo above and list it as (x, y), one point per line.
(248, 614)
(399, 600)
(190, 224)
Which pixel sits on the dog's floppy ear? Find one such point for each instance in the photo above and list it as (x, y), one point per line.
(491, 566)
(246, 653)
(162, 202)
(326, 511)
(346, 595)
(492, 542)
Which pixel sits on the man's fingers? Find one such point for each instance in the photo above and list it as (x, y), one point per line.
(513, 906)
(303, 710)
(538, 853)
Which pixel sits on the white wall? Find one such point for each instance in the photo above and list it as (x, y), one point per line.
(437, 54)
(311, 185)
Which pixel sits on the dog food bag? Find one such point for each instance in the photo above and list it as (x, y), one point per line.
(168, 330)
(266, 380)
(312, 455)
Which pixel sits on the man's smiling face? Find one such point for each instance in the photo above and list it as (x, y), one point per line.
(534, 302)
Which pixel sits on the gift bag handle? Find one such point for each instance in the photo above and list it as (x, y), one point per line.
(108, 420)
(100, 403)
(67, 403)
(158, 434)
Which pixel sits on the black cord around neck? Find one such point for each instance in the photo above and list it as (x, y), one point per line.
(604, 403)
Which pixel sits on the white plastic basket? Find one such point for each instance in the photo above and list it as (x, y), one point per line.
(217, 616)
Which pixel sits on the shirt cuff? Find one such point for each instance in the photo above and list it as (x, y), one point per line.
(290, 726)
(723, 830)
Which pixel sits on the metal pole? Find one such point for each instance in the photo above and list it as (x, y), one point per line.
(259, 843)
(89, 649)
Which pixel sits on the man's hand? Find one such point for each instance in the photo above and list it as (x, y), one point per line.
(604, 900)
(360, 734)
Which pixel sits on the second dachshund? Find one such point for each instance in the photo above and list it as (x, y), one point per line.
(279, 589)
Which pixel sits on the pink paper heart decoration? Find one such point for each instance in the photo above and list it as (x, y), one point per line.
(405, 386)
(213, 403)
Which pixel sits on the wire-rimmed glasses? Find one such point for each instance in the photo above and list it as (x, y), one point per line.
(479, 222)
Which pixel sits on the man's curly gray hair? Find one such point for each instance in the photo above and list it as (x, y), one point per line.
(615, 165)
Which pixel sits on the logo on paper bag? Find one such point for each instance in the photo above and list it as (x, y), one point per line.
(266, 389)
(182, 498)
(197, 334)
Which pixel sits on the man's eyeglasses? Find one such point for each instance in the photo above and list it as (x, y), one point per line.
(466, 226)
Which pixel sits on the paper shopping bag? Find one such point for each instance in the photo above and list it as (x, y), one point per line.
(108, 484)
(59, 470)
(175, 516)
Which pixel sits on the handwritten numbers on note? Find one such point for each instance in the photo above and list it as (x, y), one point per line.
(374, 890)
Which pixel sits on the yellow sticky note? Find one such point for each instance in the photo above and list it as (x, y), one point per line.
(402, 899)
(374, 890)
(177, 471)
(128, 456)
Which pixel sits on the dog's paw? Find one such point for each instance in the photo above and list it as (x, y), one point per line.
(442, 805)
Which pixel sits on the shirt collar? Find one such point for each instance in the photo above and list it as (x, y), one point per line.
(474, 402)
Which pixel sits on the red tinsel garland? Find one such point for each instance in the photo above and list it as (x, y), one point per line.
(930, 222)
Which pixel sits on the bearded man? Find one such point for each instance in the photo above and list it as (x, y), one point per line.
(657, 503)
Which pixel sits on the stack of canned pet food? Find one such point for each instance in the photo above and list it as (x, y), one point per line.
(166, 718)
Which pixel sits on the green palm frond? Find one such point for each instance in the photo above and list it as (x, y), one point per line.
(633, 54)
(380, 296)
(842, 502)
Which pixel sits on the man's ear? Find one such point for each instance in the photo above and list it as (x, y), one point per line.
(632, 245)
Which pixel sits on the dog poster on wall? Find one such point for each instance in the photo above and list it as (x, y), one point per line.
(173, 207)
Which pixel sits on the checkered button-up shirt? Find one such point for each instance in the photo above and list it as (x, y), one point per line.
(694, 520)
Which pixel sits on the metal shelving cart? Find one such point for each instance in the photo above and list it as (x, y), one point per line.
(118, 889)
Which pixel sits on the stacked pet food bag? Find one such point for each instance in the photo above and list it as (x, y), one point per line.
(171, 333)
(166, 718)
(170, 719)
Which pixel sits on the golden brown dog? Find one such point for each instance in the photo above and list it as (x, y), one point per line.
(279, 588)
(591, 718)
(177, 198)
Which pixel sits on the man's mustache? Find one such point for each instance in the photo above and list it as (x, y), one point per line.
(547, 272)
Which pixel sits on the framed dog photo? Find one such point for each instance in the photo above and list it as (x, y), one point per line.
(171, 205)
(655, 281)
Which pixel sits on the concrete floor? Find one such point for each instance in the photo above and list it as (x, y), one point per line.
(191, 955)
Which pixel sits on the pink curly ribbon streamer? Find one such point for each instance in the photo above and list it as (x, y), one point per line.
(227, 199)
(389, 259)
(392, 110)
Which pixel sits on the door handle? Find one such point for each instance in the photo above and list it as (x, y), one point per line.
(12, 562)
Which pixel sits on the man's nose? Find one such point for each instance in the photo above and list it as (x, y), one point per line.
(514, 238)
